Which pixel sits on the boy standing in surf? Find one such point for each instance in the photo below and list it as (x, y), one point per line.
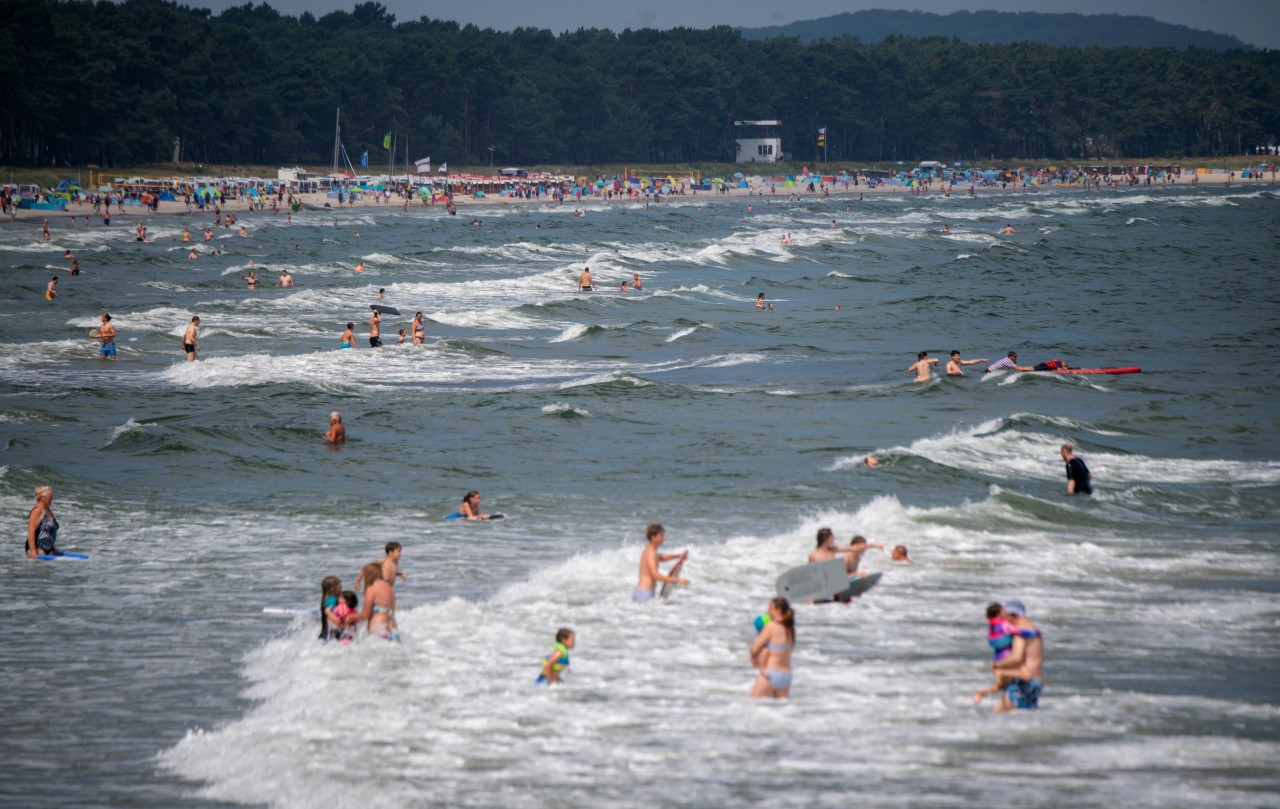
(649, 574)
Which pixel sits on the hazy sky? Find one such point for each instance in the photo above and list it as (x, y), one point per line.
(1254, 21)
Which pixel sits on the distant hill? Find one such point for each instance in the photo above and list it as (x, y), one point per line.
(1105, 30)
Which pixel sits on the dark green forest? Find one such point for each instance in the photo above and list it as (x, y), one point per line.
(985, 27)
(113, 84)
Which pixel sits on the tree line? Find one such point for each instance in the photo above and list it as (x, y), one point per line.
(114, 84)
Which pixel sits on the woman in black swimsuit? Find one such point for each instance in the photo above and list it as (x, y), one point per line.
(42, 528)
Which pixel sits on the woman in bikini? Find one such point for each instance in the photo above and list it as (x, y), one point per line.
(419, 331)
(771, 652)
(379, 604)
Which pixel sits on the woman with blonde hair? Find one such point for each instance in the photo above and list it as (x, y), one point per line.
(379, 604)
(42, 527)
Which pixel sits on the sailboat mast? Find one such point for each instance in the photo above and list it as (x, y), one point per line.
(337, 138)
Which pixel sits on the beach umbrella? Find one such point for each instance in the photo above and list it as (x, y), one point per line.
(738, 174)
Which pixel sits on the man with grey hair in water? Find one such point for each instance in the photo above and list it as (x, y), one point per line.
(336, 433)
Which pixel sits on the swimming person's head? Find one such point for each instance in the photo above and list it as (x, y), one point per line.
(330, 586)
(392, 547)
(654, 530)
(823, 535)
(993, 610)
(858, 539)
(350, 599)
(565, 636)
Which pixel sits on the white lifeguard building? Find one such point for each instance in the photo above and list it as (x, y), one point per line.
(763, 145)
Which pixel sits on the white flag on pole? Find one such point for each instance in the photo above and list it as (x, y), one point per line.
(443, 167)
(423, 165)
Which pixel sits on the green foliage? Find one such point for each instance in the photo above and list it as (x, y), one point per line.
(114, 83)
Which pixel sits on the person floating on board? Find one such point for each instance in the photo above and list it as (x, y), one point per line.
(1018, 666)
(1051, 365)
(470, 508)
(336, 433)
(954, 364)
(1078, 475)
(554, 664)
(1009, 363)
(649, 573)
(771, 652)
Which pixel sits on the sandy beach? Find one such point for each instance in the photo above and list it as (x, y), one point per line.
(79, 210)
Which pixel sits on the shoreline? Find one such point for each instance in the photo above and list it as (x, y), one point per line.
(318, 199)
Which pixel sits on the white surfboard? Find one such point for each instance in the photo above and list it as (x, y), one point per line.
(820, 580)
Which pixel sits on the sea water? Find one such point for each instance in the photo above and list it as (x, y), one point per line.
(149, 675)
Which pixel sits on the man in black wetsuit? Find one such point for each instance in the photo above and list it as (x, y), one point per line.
(1077, 473)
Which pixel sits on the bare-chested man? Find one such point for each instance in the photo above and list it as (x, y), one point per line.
(1019, 674)
(585, 284)
(649, 574)
(923, 367)
(953, 365)
(336, 433)
(286, 280)
(107, 334)
(375, 330)
(189, 344)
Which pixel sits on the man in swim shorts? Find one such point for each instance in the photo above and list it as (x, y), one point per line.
(1018, 674)
(189, 344)
(107, 334)
(51, 289)
(585, 284)
(348, 336)
(375, 330)
(649, 574)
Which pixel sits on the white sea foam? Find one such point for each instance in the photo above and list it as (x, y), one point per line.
(998, 449)
(563, 407)
(455, 701)
(682, 333)
(571, 333)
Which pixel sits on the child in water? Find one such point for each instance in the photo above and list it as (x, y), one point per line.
(554, 664)
(330, 626)
(346, 607)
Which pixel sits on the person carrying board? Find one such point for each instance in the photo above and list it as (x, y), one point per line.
(649, 574)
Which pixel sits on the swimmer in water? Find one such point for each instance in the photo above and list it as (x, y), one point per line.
(923, 366)
(900, 555)
(470, 508)
(760, 301)
(953, 365)
(348, 336)
(585, 284)
(554, 664)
